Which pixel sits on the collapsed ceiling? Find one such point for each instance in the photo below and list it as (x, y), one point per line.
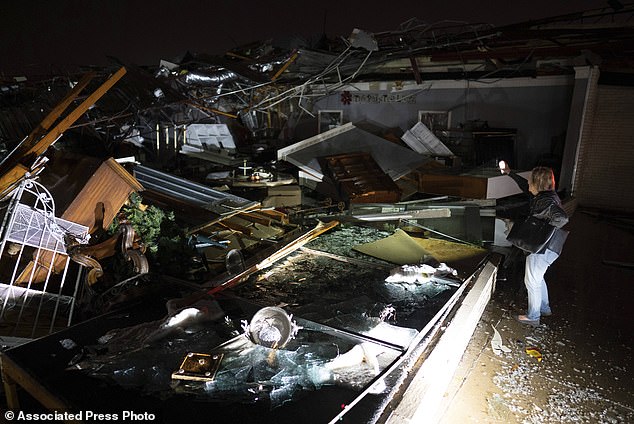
(264, 85)
(249, 96)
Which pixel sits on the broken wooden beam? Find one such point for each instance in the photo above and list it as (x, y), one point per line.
(24, 157)
(290, 247)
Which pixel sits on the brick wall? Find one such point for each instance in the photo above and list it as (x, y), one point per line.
(605, 166)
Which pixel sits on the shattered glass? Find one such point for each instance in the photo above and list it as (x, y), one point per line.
(249, 373)
(325, 289)
(352, 326)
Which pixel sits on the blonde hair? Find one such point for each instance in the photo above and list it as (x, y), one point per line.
(543, 178)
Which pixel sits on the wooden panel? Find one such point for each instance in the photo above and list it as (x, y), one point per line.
(13, 375)
(359, 179)
(453, 185)
(35, 144)
(111, 185)
(474, 186)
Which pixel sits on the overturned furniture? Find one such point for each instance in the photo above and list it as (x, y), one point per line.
(481, 183)
(396, 161)
(358, 344)
(225, 229)
(33, 306)
(35, 260)
(94, 206)
(359, 179)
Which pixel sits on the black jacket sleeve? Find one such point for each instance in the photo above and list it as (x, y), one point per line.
(521, 182)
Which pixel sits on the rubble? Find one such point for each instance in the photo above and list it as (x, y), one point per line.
(231, 178)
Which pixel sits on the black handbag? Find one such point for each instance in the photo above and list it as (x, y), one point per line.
(531, 235)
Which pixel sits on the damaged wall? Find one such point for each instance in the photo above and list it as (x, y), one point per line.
(537, 107)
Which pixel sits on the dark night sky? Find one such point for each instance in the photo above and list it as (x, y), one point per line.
(42, 36)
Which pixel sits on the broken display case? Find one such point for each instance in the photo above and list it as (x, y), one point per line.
(359, 340)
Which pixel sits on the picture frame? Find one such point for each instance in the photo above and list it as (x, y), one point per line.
(435, 120)
(329, 119)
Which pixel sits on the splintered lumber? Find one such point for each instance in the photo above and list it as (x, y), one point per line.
(27, 144)
(289, 248)
(24, 157)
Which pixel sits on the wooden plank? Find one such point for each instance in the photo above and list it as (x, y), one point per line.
(274, 214)
(111, 185)
(13, 158)
(260, 219)
(290, 247)
(35, 148)
(286, 65)
(210, 224)
(69, 120)
(229, 223)
(57, 111)
(9, 178)
(13, 375)
(11, 392)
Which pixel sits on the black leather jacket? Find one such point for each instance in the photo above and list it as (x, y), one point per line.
(546, 205)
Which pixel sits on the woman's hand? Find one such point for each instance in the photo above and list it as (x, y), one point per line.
(504, 167)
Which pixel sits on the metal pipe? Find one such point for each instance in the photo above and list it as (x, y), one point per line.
(416, 224)
(158, 136)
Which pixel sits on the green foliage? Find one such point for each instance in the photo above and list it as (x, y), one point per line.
(166, 244)
(146, 223)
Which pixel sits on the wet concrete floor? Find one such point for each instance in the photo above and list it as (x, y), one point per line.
(585, 374)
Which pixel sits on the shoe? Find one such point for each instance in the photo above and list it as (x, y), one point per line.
(524, 320)
(546, 314)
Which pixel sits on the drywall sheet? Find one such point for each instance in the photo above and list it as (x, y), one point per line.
(449, 251)
(398, 248)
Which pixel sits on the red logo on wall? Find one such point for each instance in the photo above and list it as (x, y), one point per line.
(346, 97)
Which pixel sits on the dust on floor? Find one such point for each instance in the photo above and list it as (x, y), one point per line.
(584, 375)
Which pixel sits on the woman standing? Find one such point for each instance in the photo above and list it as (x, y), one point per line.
(546, 205)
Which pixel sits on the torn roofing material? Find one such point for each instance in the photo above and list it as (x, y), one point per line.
(189, 191)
